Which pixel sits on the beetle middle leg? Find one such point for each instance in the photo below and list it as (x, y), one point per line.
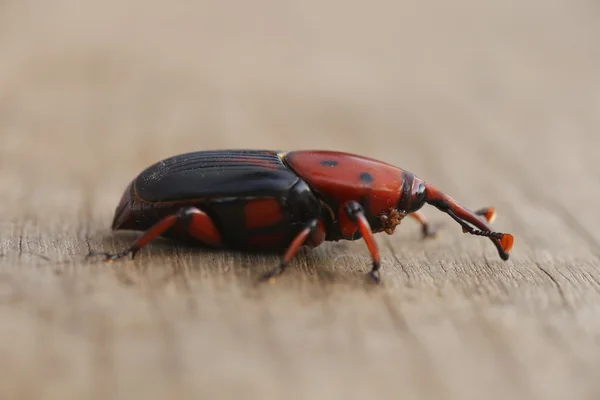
(313, 232)
(356, 214)
(194, 221)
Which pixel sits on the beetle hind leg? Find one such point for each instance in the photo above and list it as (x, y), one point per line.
(192, 220)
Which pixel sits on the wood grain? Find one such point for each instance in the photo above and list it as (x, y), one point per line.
(496, 103)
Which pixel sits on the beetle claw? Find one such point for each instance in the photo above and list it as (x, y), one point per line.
(107, 256)
(375, 277)
(96, 254)
(431, 235)
(270, 276)
(429, 232)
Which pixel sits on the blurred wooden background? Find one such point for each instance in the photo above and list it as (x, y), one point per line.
(496, 102)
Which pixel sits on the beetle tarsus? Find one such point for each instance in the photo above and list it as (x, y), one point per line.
(375, 276)
(268, 276)
(427, 231)
(489, 213)
(112, 256)
(374, 273)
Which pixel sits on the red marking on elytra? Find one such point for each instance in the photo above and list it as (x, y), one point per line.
(261, 213)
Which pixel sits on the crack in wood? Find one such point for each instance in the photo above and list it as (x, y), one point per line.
(558, 286)
(400, 263)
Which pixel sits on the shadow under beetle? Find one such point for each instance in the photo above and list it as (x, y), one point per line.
(260, 200)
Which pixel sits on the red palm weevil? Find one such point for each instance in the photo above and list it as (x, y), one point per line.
(260, 200)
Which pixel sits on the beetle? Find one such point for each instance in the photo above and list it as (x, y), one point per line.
(263, 200)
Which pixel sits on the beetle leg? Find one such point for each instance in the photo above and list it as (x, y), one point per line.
(489, 213)
(196, 223)
(356, 214)
(313, 232)
(426, 228)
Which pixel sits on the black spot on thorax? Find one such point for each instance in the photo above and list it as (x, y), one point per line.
(329, 163)
(366, 177)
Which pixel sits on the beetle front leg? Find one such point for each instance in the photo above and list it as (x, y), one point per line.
(314, 232)
(488, 213)
(195, 222)
(356, 214)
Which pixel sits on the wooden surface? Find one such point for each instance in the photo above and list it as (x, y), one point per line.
(497, 103)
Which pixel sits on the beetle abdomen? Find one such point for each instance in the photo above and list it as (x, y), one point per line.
(205, 174)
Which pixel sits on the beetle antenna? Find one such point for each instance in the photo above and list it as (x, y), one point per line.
(502, 241)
